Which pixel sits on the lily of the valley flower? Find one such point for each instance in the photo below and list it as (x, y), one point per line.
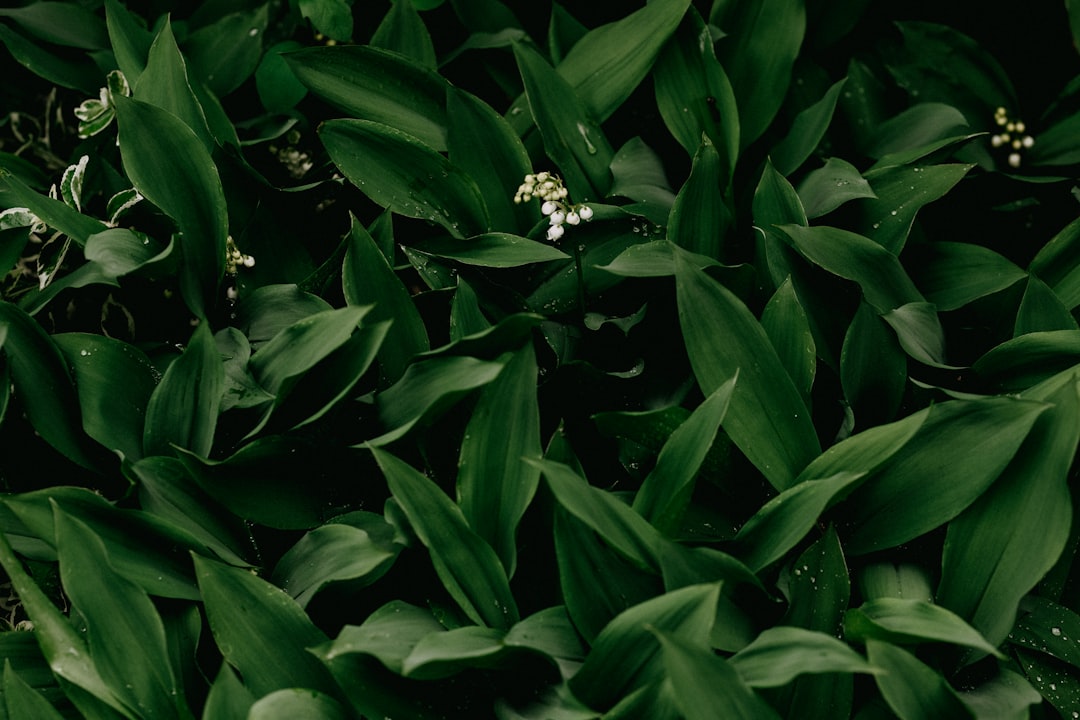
(1012, 136)
(550, 189)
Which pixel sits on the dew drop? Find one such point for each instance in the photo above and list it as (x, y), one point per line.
(589, 147)
(253, 32)
(1056, 632)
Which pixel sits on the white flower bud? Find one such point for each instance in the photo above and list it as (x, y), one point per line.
(249, 261)
(996, 141)
(573, 218)
(1028, 141)
(1020, 127)
(541, 177)
(1014, 160)
(585, 213)
(548, 207)
(557, 217)
(555, 232)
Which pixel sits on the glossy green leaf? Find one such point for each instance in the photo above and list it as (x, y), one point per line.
(912, 689)
(1001, 546)
(427, 389)
(114, 382)
(1023, 361)
(1049, 628)
(1007, 695)
(786, 519)
(270, 309)
(261, 631)
(1055, 681)
(495, 484)
(572, 139)
(270, 481)
(164, 83)
(707, 686)
(492, 340)
(80, 76)
(61, 644)
(385, 162)
(125, 633)
(498, 250)
(118, 251)
(447, 653)
(627, 656)
(352, 78)
(389, 634)
(225, 53)
(486, 148)
(240, 389)
(919, 332)
(299, 347)
(549, 632)
(609, 62)
(956, 273)
(61, 23)
(1041, 310)
(168, 164)
(167, 491)
(665, 494)
(637, 173)
(699, 219)
(23, 702)
(761, 44)
(329, 17)
(767, 418)
(807, 130)
(44, 385)
(828, 187)
(788, 328)
(954, 457)
(918, 126)
(466, 564)
(354, 548)
(130, 41)
(295, 703)
(868, 450)
(873, 368)
(780, 654)
(694, 95)
(903, 621)
(278, 88)
(902, 191)
(403, 31)
(191, 392)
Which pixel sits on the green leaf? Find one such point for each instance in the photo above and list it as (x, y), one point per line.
(81, 76)
(427, 389)
(486, 148)
(807, 130)
(130, 41)
(1023, 361)
(954, 457)
(168, 164)
(866, 451)
(1001, 546)
(44, 385)
(1041, 310)
(767, 418)
(63, 648)
(352, 78)
(830, 186)
(114, 381)
(902, 620)
(912, 689)
(780, 654)
(699, 220)
(497, 250)
(626, 655)
(385, 162)
(332, 18)
(357, 547)
(295, 703)
(403, 31)
(1049, 628)
(225, 54)
(609, 62)
(694, 95)
(1007, 695)
(466, 564)
(271, 481)
(788, 328)
(261, 631)
(919, 332)
(23, 702)
(873, 368)
(572, 138)
(665, 494)
(164, 83)
(786, 519)
(1055, 681)
(918, 126)
(61, 23)
(389, 634)
(902, 190)
(954, 274)
(125, 634)
(637, 174)
(278, 88)
(272, 308)
(54, 213)
(758, 51)
(183, 408)
(228, 698)
(706, 686)
(495, 483)
(119, 251)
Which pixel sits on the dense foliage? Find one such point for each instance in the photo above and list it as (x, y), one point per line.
(449, 359)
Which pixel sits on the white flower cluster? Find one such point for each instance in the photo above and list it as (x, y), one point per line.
(551, 191)
(1012, 136)
(234, 258)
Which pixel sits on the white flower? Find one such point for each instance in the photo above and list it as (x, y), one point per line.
(585, 213)
(573, 218)
(557, 217)
(548, 207)
(555, 232)
(1028, 141)
(1014, 160)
